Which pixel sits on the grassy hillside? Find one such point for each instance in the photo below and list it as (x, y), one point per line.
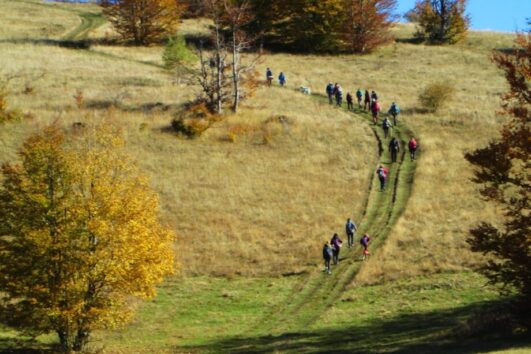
(253, 199)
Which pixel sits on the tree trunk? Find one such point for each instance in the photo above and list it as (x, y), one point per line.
(235, 72)
(65, 340)
(81, 339)
(219, 76)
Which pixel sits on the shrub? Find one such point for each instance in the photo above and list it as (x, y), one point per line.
(7, 115)
(435, 95)
(193, 121)
(176, 53)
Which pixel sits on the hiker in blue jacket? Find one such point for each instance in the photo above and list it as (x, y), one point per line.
(359, 96)
(282, 79)
(350, 229)
(330, 92)
(394, 111)
(327, 256)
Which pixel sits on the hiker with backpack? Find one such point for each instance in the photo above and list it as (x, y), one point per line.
(350, 228)
(394, 148)
(350, 103)
(367, 101)
(282, 79)
(327, 256)
(339, 95)
(336, 247)
(382, 176)
(375, 109)
(412, 145)
(394, 111)
(359, 96)
(386, 124)
(330, 92)
(364, 241)
(269, 77)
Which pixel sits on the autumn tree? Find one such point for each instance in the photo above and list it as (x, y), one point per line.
(503, 170)
(440, 21)
(313, 25)
(367, 22)
(143, 21)
(79, 236)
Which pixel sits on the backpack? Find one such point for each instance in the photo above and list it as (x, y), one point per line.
(381, 173)
(387, 123)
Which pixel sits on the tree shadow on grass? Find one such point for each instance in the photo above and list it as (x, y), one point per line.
(444, 331)
(21, 346)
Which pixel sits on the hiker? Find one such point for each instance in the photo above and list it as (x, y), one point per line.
(359, 96)
(282, 79)
(375, 109)
(339, 95)
(367, 101)
(330, 92)
(336, 247)
(269, 77)
(382, 176)
(364, 241)
(394, 111)
(350, 229)
(412, 148)
(374, 96)
(394, 148)
(327, 256)
(350, 104)
(386, 124)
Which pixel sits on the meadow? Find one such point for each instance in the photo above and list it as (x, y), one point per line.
(253, 199)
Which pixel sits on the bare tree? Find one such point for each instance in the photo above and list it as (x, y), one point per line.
(229, 40)
(237, 15)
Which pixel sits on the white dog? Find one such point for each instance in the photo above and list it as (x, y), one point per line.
(305, 90)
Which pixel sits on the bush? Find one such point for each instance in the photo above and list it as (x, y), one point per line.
(193, 121)
(176, 53)
(7, 115)
(435, 95)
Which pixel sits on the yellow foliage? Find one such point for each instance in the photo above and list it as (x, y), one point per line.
(80, 234)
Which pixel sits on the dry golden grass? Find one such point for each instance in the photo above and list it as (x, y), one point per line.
(262, 204)
(258, 197)
(430, 236)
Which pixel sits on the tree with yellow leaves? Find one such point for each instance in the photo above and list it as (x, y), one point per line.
(143, 21)
(79, 236)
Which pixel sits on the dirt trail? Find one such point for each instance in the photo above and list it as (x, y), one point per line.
(317, 292)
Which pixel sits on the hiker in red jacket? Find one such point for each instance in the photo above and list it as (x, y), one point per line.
(412, 148)
(382, 176)
(375, 109)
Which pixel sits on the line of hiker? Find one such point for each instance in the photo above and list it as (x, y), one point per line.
(281, 78)
(331, 249)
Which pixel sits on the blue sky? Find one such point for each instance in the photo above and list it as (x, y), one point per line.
(497, 15)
